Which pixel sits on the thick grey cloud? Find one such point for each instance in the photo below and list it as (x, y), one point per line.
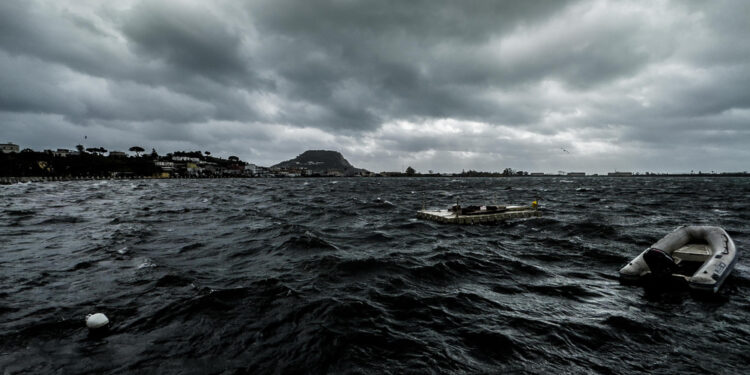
(438, 85)
(191, 39)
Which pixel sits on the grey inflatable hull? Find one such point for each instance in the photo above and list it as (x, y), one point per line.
(707, 244)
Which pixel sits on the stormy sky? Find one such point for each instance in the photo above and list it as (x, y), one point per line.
(592, 86)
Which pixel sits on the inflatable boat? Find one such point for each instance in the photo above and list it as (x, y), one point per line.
(701, 255)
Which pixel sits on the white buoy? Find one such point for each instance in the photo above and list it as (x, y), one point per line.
(96, 321)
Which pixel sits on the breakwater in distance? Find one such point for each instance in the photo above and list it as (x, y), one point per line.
(337, 275)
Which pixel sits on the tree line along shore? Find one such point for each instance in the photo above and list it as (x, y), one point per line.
(93, 163)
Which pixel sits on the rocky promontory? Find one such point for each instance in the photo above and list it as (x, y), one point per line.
(321, 162)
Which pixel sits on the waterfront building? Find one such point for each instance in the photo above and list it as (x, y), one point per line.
(186, 159)
(61, 152)
(166, 166)
(9, 148)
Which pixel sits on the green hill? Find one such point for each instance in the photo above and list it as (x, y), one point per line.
(321, 161)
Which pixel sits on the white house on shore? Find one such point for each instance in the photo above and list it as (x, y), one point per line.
(186, 159)
(9, 148)
(166, 166)
(61, 152)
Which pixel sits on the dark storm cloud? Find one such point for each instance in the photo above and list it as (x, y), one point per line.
(326, 20)
(188, 53)
(26, 28)
(725, 89)
(190, 38)
(394, 50)
(387, 82)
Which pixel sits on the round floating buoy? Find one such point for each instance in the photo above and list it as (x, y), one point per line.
(96, 321)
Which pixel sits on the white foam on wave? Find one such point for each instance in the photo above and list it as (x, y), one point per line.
(146, 263)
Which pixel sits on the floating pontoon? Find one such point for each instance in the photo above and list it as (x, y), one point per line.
(480, 214)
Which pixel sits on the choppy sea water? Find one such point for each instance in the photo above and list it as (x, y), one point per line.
(338, 276)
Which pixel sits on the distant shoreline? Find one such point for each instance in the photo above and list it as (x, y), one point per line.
(66, 165)
(26, 179)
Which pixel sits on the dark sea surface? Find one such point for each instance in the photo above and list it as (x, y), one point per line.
(338, 276)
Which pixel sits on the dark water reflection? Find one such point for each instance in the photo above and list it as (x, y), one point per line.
(328, 276)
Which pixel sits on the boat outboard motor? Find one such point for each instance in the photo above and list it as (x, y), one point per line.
(659, 262)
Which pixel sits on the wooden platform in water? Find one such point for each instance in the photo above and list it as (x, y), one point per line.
(450, 217)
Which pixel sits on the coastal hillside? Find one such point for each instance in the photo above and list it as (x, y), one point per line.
(321, 161)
